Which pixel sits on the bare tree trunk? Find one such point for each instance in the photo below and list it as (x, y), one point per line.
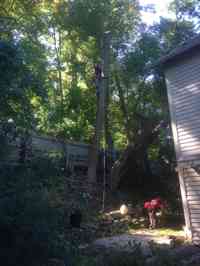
(100, 117)
(108, 137)
(58, 50)
(93, 156)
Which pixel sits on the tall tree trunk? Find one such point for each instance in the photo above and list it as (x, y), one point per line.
(100, 117)
(58, 50)
(108, 137)
(93, 155)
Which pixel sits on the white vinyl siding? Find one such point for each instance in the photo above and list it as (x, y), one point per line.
(192, 184)
(183, 83)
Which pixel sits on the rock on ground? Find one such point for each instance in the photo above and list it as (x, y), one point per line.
(126, 242)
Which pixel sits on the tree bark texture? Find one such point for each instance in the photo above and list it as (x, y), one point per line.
(132, 169)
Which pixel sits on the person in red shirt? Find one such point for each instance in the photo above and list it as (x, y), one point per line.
(152, 207)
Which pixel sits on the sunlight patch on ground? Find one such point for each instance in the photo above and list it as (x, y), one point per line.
(159, 232)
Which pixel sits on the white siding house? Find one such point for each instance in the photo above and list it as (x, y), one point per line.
(182, 75)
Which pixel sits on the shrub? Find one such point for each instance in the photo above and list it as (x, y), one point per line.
(31, 227)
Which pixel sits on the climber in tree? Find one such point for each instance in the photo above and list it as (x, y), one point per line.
(98, 77)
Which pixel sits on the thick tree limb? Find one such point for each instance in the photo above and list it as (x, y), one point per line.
(133, 161)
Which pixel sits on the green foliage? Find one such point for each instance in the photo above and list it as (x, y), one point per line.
(60, 42)
(52, 47)
(31, 221)
(18, 85)
(48, 50)
(187, 8)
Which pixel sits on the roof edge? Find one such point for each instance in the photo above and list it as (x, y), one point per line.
(181, 50)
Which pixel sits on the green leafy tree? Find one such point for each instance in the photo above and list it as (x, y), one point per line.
(18, 85)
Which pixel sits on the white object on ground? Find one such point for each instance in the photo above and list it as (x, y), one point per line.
(123, 209)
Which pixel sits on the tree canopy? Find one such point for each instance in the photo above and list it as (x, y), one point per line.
(48, 51)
